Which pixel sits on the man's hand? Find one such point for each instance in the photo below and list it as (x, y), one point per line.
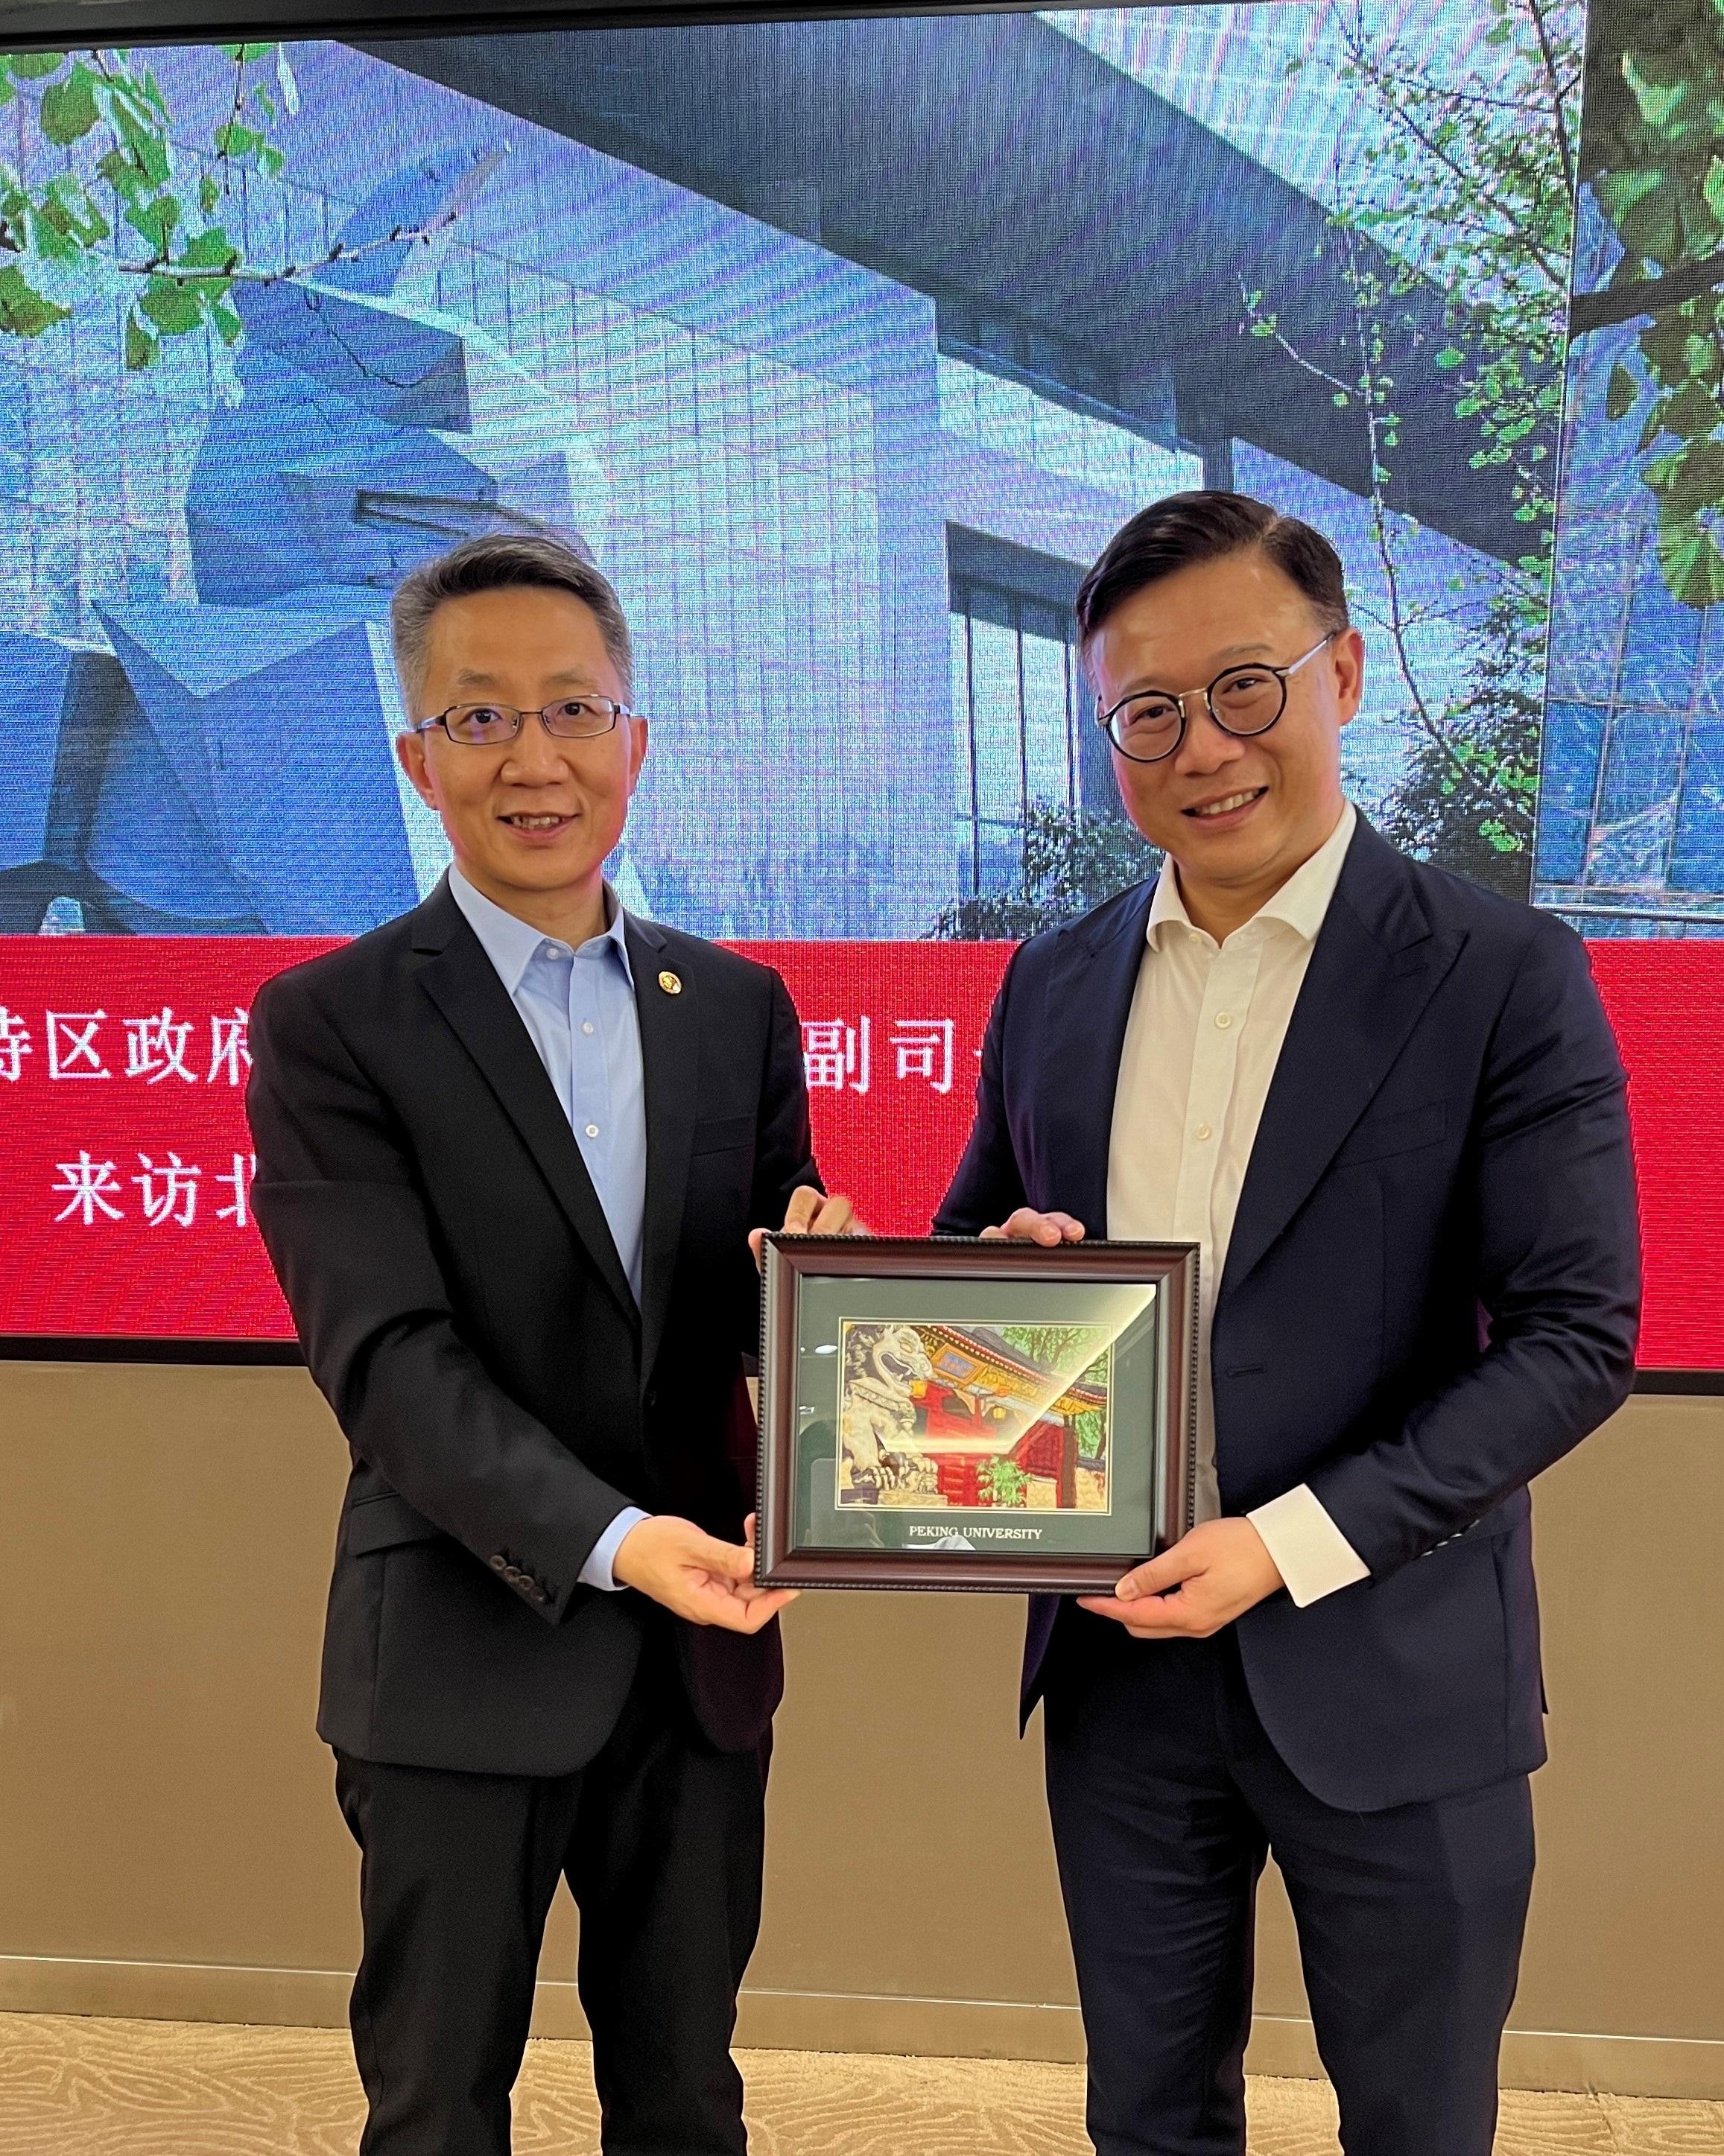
(810, 1213)
(1210, 1577)
(696, 1576)
(1026, 1226)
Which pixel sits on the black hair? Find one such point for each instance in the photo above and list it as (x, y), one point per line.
(1202, 525)
(496, 562)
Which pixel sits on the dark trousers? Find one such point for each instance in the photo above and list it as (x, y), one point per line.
(1165, 1794)
(660, 1838)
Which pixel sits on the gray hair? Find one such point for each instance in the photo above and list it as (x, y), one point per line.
(501, 562)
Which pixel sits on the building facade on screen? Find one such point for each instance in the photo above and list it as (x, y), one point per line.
(842, 348)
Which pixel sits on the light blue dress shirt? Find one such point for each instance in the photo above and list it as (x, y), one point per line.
(578, 1008)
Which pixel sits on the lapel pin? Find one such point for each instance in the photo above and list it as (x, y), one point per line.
(670, 983)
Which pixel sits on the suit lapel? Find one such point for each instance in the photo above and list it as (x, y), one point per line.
(1375, 965)
(1089, 1002)
(670, 1043)
(463, 983)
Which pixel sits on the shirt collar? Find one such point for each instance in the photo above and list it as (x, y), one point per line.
(512, 944)
(1302, 903)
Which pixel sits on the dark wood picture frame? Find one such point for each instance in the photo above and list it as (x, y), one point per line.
(788, 1261)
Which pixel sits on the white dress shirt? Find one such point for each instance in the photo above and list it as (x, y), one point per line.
(1205, 1035)
(578, 1008)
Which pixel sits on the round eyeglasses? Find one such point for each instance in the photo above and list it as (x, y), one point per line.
(571, 718)
(1150, 724)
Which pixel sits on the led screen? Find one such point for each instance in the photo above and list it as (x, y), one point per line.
(842, 347)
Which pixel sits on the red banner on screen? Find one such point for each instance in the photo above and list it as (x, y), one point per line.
(124, 1200)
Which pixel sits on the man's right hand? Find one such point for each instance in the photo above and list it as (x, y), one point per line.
(810, 1213)
(1026, 1226)
(696, 1576)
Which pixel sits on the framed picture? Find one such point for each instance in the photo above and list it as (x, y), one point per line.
(944, 1413)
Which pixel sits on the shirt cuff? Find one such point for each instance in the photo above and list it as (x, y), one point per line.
(1312, 1554)
(596, 1570)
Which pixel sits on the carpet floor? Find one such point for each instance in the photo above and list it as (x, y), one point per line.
(74, 2087)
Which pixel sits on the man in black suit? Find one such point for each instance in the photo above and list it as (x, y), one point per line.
(1387, 1106)
(510, 1151)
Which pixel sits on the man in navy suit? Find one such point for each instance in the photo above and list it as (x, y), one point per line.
(1387, 1106)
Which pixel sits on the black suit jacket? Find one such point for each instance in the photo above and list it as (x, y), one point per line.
(1432, 1290)
(464, 1311)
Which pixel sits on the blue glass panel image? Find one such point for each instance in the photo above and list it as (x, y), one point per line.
(1709, 673)
(1638, 798)
(1590, 600)
(1573, 734)
(38, 673)
(1698, 852)
(1661, 648)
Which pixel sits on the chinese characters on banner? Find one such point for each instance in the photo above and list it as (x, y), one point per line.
(158, 1046)
(92, 1188)
(839, 1058)
(126, 1196)
(891, 1037)
(125, 1205)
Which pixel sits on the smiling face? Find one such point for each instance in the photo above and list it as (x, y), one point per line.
(530, 820)
(1238, 815)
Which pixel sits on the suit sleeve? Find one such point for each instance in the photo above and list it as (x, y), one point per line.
(783, 1149)
(987, 1188)
(783, 1145)
(345, 1222)
(1551, 1190)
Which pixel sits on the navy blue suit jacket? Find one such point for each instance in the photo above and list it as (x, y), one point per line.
(1431, 1293)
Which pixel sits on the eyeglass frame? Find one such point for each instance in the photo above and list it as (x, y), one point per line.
(441, 719)
(1282, 674)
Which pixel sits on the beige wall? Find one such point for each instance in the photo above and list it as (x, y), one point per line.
(168, 1844)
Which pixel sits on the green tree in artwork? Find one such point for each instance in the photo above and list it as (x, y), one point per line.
(132, 208)
(1053, 1346)
(1004, 1480)
(1467, 178)
(1653, 151)
(1091, 1426)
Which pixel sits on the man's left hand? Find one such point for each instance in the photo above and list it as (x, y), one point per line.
(1210, 1577)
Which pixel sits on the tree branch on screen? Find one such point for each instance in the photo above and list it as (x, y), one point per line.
(129, 175)
(1615, 304)
(1466, 178)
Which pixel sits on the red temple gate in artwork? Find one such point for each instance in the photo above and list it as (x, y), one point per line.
(969, 1418)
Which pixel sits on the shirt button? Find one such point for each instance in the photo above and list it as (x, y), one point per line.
(592, 1130)
(586, 1025)
(1203, 1133)
(1223, 1019)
